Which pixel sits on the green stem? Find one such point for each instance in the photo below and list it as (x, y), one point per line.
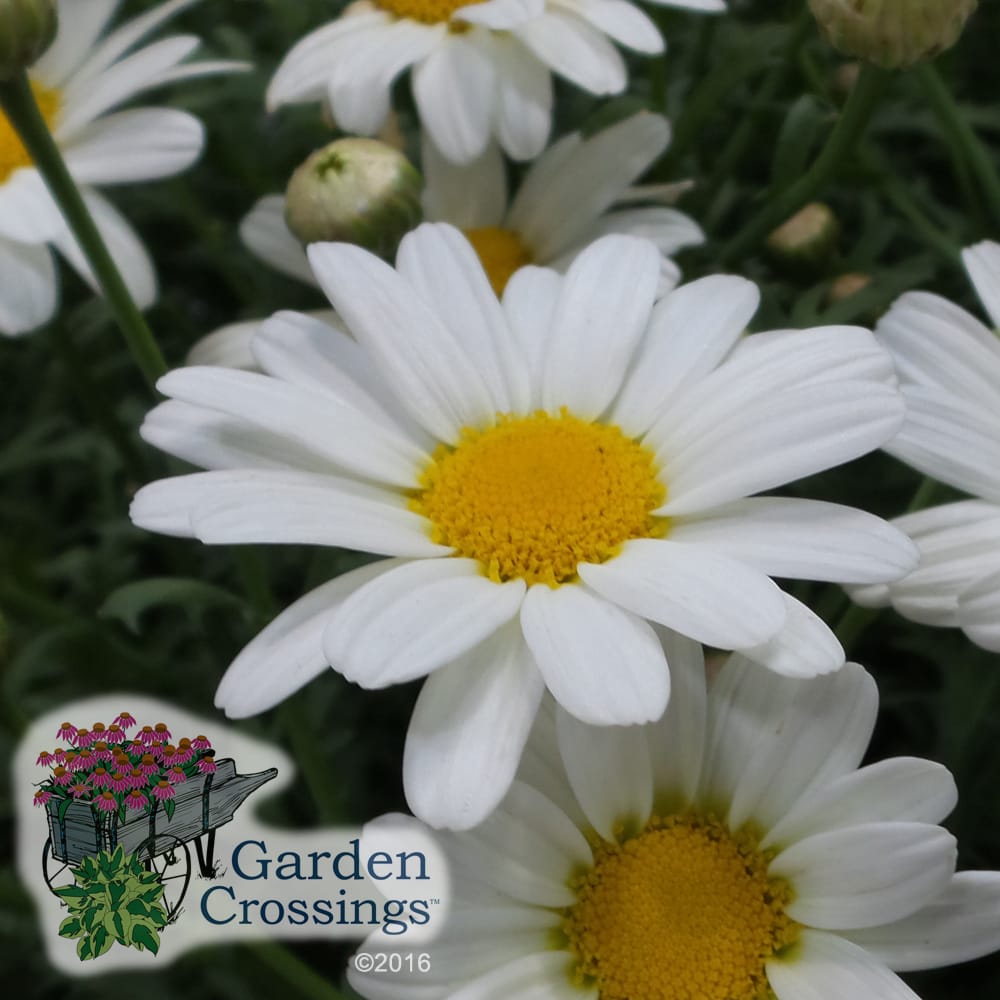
(301, 977)
(18, 103)
(862, 101)
(955, 125)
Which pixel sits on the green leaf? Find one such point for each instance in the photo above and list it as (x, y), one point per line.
(116, 890)
(168, 807)
(121, 927)
(158, 916)
(69, 892)
(117, 858)
(102, 942)
(143, 937)
(84, 949)
(92, 917)
(71, 928)
(128, 603)
(151, 895)
(63, 806)
(137, 908)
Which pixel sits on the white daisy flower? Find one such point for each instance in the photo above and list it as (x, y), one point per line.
(949, 372)
(555, 214)
(479, 69)
(733, 851)
(79, 82)
(550, 474)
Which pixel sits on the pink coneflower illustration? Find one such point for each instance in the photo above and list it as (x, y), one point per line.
(125, 719)
(169, 756)
(67, 732)
(82, 761)
(136, 800)
(201, 743)
(61, 775)
(106, 802)
(163, 790)
(148, 764)
(98, 731)
(137, 779)
(184, 752)
(207, 764)
(162, 733)
(146, 735)
(115, 733)
(83, 738)
(45, 759)
(101, 751)
(80, 790)
(119, 782)
(58, 755)
(176, 775)
(42, 796)
(100, 778)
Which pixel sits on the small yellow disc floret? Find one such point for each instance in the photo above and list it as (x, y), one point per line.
(13, 155)
(501, 253)
(426, 11)
(533, 497)
(683, 911)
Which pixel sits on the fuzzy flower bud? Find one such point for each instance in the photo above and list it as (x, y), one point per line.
(356, 191)
(27, 28)
(806, 240)
(892, 33)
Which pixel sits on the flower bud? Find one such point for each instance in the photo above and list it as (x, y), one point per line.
(27, 28)
(892, 33)
(355, 191)
(806, 240)
(847, 285)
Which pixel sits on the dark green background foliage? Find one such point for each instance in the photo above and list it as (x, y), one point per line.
(752, 96)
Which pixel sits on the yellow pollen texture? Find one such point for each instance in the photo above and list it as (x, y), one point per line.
(13, 155)
(683, 911)
(533, 497)
(501, 253)
(427, 11)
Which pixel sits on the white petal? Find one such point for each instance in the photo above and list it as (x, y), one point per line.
(691, 330)
(266, 234)
(523, 98)
(123, 244)
(468, 729)
(704, 6)
(416, 619)
(773, 739)
(454, 90)
(774, 441)
(982, 261)
(960, 924)
(865, 875)
(375, 449)
(469, 196)
(27, 212)
(441, 265)
(528, 849)
(826, 967)
(288, 653)
(901, 789)
(137, 145)
(29, 287)
(227, 347)
(529, 300)
(979, 612)
(601, 314)
(600, 662)
(804, 540)
(555, 207)
(685, 587)
(432, 372)
(620, 20)
(500, 15)
(576, 51)
(81, 23)
(610, 772)
(545, 976)
(805, 646)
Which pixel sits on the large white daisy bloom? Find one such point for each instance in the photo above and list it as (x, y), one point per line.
(949, 372)
(550, 474)
(480, 69)
(733, 851)
(78, 84)
(577, 190)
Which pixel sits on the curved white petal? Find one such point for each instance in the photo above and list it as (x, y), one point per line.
(29, 287)
(684, 587)
(529, 301)
(468, 729)
(618, 19)
(81, 24)
(805, 646)
(288, 653)
(979, 612)
(610, 772)
(523, 98)
(982, 261)
(544, 976)
(417, 618)
(500, 15)
(469, 196)
(27, 212)
(602, 664)
(266, 234)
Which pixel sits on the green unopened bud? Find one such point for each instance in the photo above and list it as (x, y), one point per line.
(892, 33)
(27, 28)
(847, 285)
(806, 241)
(355, 191)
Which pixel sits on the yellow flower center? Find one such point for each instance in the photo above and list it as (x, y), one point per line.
(533, 497)
(501, 253)
(427, 11)
(13, 155)
(683, 911)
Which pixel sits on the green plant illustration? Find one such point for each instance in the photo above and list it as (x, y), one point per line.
(113, 898)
